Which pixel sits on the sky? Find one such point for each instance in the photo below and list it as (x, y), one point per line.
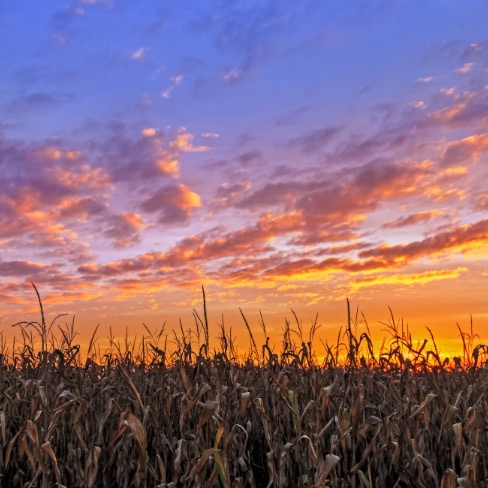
(285, 155)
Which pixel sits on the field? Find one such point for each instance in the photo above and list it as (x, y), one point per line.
(138, 415)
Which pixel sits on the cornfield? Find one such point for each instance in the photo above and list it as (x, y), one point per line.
(136, 415)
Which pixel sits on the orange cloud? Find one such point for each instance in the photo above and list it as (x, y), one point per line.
(84, 175)
(55, 154)
(169, 167)
(172, 204)
(148, 132)
(464, 150)
(184, 142)
(405, 279)
(458, 240)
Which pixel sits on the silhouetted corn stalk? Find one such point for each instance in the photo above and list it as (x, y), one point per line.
(136, 415)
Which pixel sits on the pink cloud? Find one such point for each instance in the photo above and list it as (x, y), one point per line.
(464, 151)
(172, 204)
(124, 229)
(456, 240)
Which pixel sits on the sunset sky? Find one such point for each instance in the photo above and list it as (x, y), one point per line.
(284, 154)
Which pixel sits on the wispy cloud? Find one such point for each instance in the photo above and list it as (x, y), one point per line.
(175, 81)
(39, 101)
(315, 140)
(417, 104)
(139, 54)
(413, 219)
(465, 68)
(405, 279)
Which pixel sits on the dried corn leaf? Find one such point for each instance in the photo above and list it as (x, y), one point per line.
(208, 410)
(458, 437)
(46, 447)
(244, 401)
(428, 399)
(449, 479)
(365, 426)
(3, 427)
(137, 429)
(92, 466)
(331, 461)
(10, 446)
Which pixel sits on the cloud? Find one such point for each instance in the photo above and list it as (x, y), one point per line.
(50, 171)
(294, 116)
(173, 204)
(249, 254)
(124, 229)
(228, 194)
(184, 142)
(70, 252)
(271, 194)
(333, 209)
(61, 25)
(366, 188)
(392, 139)
(465, 68)
(249, 157)
(139, 54)
(58, 197)
(237, 167)
(204, 248)
(24, 226)
(464, 151)
(448, 91)
(39, 101)
(315, 140)
(312, 269)
(23, 268)
(148, 132)
(210, 135)
(231, 74)
(81, 208)
(144, 156)
(310, 236)
(405, 279)
(413, 219)
(482, 203)
(175, 81)
(417, 104)
(468, 109)
(47, 182)
(342, 248)
(458, 240)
